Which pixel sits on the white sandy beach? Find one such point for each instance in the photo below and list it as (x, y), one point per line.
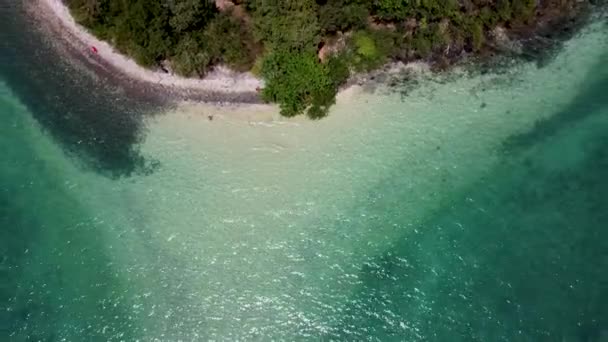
(54, 12)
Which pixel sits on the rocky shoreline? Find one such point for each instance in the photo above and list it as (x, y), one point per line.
(553, 23)
(538, 43)
(75, 44)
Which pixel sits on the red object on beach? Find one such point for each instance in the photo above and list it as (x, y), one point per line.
(94, 49)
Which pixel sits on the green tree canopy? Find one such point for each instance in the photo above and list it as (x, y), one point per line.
(280, 40)
(189, 15)
(298, 82)
(286, 24)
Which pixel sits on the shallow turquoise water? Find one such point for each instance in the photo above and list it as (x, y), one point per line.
(474, 208)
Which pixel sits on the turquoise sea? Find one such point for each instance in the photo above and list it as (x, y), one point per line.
(471, 207)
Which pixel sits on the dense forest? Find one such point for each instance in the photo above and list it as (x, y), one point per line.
(303, 49)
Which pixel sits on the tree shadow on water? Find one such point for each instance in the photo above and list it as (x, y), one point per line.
(96, 118)
(590, 99)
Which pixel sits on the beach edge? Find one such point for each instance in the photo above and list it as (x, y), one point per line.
(74, 42)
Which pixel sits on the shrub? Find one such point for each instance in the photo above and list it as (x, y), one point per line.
(391, 9)
(371, 48)
(489, 17)
(523, 9)
(422, 45)
(366, 47)
(190, 15)
(139, 28)
(192, 57)
(503, 10)
(477, 35)
(256, 68)
(342, 15)
(338, 68)
(286, 24)
(298, 82)
(432, 10)
(87, 12)
(228, 42)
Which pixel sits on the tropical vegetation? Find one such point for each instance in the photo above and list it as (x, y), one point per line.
(303, 49)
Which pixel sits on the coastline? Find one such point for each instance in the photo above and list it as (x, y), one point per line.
(221, 86)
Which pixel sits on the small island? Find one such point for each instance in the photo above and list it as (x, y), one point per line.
(305, 50)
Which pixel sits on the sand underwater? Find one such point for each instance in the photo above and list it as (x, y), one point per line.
(471, 207)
